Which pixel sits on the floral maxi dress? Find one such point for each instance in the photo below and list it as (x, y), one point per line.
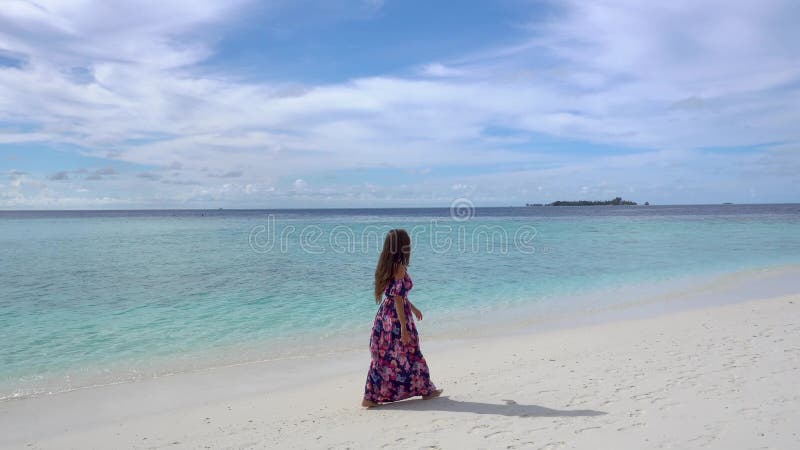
(397, 371)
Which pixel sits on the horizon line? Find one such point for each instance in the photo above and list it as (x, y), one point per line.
(392, 208)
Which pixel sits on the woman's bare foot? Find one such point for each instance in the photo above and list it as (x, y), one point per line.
(368, 404)
(433, 394)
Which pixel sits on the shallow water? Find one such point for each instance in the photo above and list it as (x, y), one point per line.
(93, 297)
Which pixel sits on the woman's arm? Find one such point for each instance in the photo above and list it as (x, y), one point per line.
(405, 338)
(417, 313)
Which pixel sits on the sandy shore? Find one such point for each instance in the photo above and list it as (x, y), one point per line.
(718, 377)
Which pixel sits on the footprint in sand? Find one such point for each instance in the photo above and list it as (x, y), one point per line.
(646, 395)
(633, 425)
(477, 428)
(495, 434)
(635, 413)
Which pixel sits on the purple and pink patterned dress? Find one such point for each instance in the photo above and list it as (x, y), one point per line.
(397, 371)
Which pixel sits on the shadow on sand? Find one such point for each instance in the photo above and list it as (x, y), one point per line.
(511, 408)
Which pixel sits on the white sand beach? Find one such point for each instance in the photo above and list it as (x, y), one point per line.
(713, 377)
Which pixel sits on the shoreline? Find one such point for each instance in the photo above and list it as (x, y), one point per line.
(288, 392)
(642, 300)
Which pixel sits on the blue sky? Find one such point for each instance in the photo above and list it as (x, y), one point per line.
(193, 104)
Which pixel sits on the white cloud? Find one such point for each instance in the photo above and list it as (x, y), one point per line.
(669, 77)
(440, 70)
(300, 186)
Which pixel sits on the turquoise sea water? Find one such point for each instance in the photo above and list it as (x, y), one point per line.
(97, 297)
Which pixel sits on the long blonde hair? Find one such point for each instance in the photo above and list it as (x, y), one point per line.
(396, 251)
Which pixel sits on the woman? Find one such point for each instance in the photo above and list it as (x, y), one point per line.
(398, 370)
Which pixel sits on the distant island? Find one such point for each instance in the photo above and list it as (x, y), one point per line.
(615, 202)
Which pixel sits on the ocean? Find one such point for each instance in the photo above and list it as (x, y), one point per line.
(98, 297)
